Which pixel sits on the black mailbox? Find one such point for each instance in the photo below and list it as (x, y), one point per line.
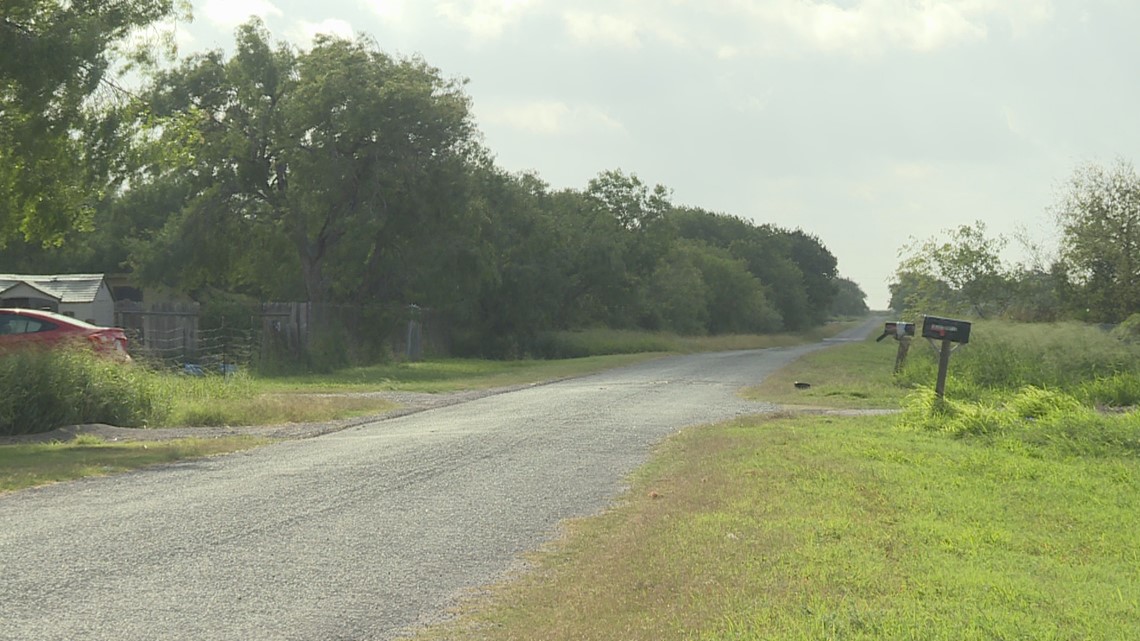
(945, 329)
(898, 329)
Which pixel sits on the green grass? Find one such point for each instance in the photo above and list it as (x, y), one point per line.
(1007, 510)
(29, 465)
(820, 529)
(854, 375)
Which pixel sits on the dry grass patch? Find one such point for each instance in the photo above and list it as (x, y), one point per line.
(30, 465)
(271, 409)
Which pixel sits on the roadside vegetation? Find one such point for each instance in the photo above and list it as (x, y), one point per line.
(46, 390)
(69, 388)
(1006, 511)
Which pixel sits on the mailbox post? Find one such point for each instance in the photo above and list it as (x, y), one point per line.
(950, 332)
(904, 334)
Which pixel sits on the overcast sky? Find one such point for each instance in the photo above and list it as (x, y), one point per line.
(864, 122)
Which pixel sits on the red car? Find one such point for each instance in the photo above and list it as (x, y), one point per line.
(30, 327)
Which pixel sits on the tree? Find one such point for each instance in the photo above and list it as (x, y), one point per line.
(850, 300)
(54, 55)
(352, 156)
(526, 272)
(818, 266)
(961, 273)
(1099, 218)
(796, 269)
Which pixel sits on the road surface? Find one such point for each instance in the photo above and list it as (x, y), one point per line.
(356, 535)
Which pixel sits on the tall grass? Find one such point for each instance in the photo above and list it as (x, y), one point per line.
(43, 390)
(1046, 388)
(1003, 357)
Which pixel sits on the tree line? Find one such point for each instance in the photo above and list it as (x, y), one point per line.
(341, 174)
(1092, 275)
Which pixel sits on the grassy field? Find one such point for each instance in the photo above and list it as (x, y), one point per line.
(820, 528)
(1008, 510)
(857, 375)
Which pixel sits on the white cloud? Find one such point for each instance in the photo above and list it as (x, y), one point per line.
(869, 27)
(548, 117)
(863, 27)
(592, 28)
(228, 14)
(308, 31)
(484, 19)
(387, 10)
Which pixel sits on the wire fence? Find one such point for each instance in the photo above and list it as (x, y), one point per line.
(282, 336)
(198, 351)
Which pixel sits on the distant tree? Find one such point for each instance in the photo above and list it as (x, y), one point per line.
(918, 293)
(1099, 218)
(1038, 296)
(962, 272)
(54, 56)
(738, 302)
(850, 299)
(818, 266)
(678, 296)
(601, 288)
(628, 199)
(795, 268)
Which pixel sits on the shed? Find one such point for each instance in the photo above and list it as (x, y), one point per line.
(83, 296)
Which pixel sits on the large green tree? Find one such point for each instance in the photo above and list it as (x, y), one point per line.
(1099, 217)
(353, 157)
(54, 56)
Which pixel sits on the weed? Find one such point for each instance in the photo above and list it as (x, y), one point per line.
(46, 389)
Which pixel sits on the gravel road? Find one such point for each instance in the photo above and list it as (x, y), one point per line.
(358, 534)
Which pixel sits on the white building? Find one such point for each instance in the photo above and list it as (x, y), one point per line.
(83, 296)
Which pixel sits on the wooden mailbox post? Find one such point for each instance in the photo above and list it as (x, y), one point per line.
(950, 332)
(903, 333)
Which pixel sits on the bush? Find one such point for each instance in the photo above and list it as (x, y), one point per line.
(44, 390)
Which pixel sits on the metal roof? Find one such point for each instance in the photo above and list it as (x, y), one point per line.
(68, 288)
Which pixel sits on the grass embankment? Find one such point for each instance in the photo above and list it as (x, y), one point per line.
(1009, 517)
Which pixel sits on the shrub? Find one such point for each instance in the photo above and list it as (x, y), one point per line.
(44, 390)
